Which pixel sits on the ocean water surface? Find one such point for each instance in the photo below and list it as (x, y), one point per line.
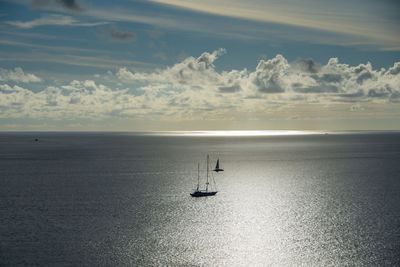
(122, 199)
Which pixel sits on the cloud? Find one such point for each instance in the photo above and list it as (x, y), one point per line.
(191, 72)
(395, 69)
(160, 56)
(318, 89)
(194, 90)
(79, 99)
(230, 89)
(268, 77)
(53, 19)
(306, 65)
(155, 34)
(17, 75)
(265, 29)
(69, 5)
(121, 36)
(276, 76)
(356, 107)
(378, 29)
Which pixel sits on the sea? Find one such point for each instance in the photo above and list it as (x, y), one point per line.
(123, 199)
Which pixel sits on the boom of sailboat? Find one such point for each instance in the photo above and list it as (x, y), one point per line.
(205, 192)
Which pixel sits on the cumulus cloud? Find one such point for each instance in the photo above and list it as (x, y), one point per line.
(194, 89)
(230, 89)
(121, 36)
(79, 99)
(189, 73)
(195, 84)
(269, 75)
(17, 75)
(395, 69)
(276, 76)
(53, 19)
(306, 65)
(356, 107)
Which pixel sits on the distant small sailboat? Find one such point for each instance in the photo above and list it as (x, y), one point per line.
(217, 169)
(205, 192)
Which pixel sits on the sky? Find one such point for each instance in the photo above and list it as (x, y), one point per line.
(186, 65)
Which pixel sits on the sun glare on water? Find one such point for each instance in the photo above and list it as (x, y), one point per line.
(240, 133)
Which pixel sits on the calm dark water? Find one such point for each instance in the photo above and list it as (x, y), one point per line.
(92, 199)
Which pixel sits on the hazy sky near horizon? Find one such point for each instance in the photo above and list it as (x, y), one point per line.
(199, 65)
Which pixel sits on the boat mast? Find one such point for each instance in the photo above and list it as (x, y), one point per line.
(198, 176)
(207, 174)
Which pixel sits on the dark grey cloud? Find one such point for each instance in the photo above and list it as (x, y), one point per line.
(331, 78)
(395, 97)
(318, 89)
(348, 100)
(179, 102)
(380, 92)
(359, 93)
(70, 5)
(307, 65)
(74, 100)
(208, 59)
(356, 108)
(121, 36)
(196, 88)
(377, 93)
(360, 68)
(253, 97)
(365, 75)
(229, 89)
(270, 85)
(395, 69)
(297, 85)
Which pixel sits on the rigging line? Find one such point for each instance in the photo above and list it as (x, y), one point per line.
(215, 184)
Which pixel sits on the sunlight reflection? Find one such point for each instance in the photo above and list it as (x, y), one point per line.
(239, 133)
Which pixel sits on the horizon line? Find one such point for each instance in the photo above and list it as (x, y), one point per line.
(213, 133)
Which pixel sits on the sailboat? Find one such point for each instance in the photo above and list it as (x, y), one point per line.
(205, 192)
(217, 169)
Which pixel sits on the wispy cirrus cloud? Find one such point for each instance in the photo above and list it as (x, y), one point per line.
(100, 62)
(373, 24)
(353, 24)
(118, 35)
(53, 19)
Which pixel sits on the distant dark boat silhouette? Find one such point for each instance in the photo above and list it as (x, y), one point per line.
(217, 169)
(205, 192)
